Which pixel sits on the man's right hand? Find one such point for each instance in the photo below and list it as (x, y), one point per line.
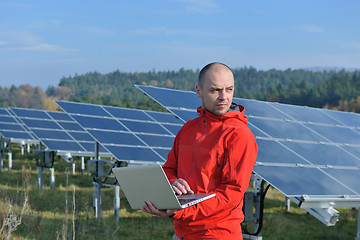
(180, 187)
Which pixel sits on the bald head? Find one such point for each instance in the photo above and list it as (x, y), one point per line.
(213, 67)
(215, 88)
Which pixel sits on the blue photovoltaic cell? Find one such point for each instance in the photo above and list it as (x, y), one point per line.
(111, 137)
(71, 126)
(309, 181)
(9, 126)
(81, 136)
(259, 109)
(255, 130)
(305, 114)
(175, 98)
(185, 115)
(90, 147)
(164, 117)
(144, 127)
(163, 152)
(37, 123)
(345, 118)
(352, 150)
(267, 154)
(7, 119)
(350, 177)
(127, 113)
(337, 134)
(321, 154)
(174, 129)
(16, 135)
(30, 113)
(3, 111)
(134, 154)
(51, 134)
(60, 116)
(99, 123)
(286, 130)
(158, 141)
(86, 109)
(62, 145)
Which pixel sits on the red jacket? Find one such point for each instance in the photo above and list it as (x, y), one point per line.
(213, 154)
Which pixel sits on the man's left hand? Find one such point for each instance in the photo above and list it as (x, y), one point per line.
(150, 208)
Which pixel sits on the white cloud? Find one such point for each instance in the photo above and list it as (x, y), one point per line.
(15, 4)
(100, 31)
(161, 30)
(311, 28)
(27, 41)
(201, 6)
(44, 47)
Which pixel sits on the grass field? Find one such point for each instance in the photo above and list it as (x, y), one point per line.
(66, 210)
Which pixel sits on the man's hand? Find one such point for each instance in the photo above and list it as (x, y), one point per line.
(150, 208)
(180, 187)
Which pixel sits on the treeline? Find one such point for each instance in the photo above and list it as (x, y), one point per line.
(331, 89)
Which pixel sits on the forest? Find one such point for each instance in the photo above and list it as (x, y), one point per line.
(339, 90)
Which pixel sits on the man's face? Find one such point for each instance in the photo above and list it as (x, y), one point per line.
(217, 91)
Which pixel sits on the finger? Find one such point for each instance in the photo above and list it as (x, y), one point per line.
(186, 187)
(177, 191)
(145, 207)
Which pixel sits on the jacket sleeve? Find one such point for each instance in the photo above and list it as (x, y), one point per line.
(170, 166)
(240, 155)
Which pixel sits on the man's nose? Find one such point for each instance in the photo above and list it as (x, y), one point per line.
(222, 94)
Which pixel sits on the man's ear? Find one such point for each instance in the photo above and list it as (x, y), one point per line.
(198, 90)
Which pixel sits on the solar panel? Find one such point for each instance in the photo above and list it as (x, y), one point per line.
(12, 129)
(302, 150)
(57, 131)
(131, 135)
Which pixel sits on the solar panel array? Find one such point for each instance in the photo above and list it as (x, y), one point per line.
(57, 131)
(12, 129)
(302, 150)
(131, 135)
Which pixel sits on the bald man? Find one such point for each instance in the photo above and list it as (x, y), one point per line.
(213, 153)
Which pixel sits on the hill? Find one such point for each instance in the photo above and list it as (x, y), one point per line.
(332, 89)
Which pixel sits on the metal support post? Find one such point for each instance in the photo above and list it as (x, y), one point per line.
(287, 204)
(10, 161)
(73, 167)
(1, 160)
(117, 202)
(82, 166)
(28, 148)
(40, 178)
(97, 199)
(52, 177)
(358, 226)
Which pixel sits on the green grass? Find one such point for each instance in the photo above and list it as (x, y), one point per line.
(47, 216)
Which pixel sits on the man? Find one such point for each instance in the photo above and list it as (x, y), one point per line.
(214, 152)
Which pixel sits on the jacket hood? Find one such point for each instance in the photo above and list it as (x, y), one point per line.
(235, 111)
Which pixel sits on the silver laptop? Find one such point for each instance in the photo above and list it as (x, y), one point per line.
(149, 183)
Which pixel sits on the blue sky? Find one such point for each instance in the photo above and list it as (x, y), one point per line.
(42, 41)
